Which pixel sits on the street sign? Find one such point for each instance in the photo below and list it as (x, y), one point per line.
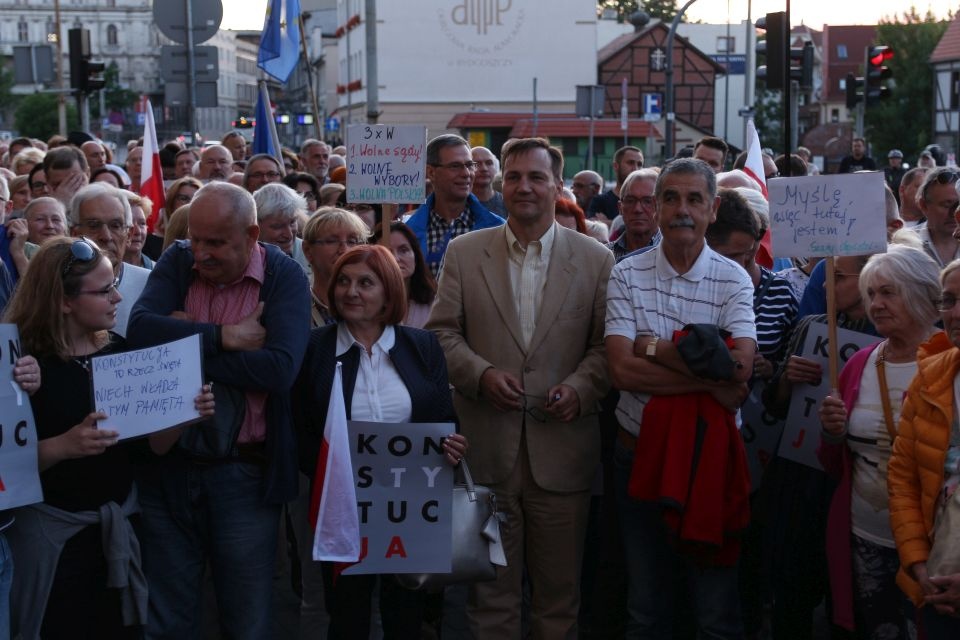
(173, 63)
(206, 96)
(33, 64)
(590, 100)
(171, 19)
(652, 106)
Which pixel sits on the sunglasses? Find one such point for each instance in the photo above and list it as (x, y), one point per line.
(80, 251)
(947, 177)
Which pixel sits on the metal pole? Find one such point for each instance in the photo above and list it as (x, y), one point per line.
(349, 73)
(750, 71)
(373, 85)
(191, 79)
(62, 95)
(668, 70)
(536, 110)
(317, 124)
(787, 107)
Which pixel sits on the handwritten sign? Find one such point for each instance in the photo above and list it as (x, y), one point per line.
(760, 432)
(404, 497)
(148, 390)
(19, 476)
(836, 215)
(386, 163)
(801, 435)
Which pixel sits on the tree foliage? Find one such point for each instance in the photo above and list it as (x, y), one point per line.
(36, 116)
(116, 97)
(902, 121)
(662, 9)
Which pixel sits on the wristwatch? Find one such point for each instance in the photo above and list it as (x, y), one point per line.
(651, 351)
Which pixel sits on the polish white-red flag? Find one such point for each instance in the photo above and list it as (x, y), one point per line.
(333, 503)
(151, 174)
(754, 169)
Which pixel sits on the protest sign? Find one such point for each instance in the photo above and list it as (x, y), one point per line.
(148, 390)
(19, 475)
(801, 435)
(831, 215)
(386, 163)
(760, 432)
(404, 497)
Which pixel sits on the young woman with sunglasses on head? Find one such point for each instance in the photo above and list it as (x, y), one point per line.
(85, 579)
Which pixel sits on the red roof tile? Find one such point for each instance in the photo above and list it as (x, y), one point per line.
(948, 49)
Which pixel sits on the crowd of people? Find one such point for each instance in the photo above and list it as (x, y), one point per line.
(592, 350)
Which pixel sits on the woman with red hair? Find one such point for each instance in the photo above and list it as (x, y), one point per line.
(570, 215)
(391, 373)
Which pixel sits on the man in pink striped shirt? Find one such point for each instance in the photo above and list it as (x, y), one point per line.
(211, 499)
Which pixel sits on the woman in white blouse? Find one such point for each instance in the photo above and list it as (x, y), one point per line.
(391, 373)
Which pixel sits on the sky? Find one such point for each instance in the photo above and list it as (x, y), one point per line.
(248, 14)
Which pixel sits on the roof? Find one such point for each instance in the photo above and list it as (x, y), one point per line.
(625, 40)
(948, 49)
(557, 125)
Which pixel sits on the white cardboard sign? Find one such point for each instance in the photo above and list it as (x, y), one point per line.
(386, 163)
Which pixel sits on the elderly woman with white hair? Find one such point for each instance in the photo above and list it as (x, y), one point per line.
(901, 290)
(277, 208)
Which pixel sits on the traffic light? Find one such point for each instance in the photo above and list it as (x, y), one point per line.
(802, 72)
(244, 123)
(877, 72)
(86, 75)
(853, 94)
(775, 24)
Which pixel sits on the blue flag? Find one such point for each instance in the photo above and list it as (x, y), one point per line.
(280, 42)
(262, 140)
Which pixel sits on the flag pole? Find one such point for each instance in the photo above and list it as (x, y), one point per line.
(318, 129)
(272, 126)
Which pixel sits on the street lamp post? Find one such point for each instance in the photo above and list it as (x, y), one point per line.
(668, 69)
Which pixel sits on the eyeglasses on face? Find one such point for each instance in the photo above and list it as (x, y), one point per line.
(105, 292)
(645, 201)
(115, 226)
(80, 251)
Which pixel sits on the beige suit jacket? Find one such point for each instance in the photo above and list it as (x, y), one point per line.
(475, 318)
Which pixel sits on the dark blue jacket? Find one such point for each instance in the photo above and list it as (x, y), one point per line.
(273, 369)
(482, 218)
(419, 361)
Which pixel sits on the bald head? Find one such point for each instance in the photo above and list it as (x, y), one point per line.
(586, 184)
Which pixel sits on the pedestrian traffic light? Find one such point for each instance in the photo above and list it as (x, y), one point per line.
(775, 24)
(854, 95)
(877, 72)
(86, 75)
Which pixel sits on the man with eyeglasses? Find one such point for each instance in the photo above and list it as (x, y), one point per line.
(216, 163)
(101, 213)
(586, 185)
(221, 508)
(261, 169)
(937, 198)
(451, 210)
(37, 179)
(638, 210)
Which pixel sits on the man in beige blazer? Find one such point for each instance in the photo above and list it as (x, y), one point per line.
(520, 314)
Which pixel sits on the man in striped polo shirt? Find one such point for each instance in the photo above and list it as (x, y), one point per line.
(650, 295)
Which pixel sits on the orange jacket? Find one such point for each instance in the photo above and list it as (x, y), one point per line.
(915, 474)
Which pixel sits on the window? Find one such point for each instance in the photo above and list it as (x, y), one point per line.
(23, 31)
(726, 44)
(842, 51)
(112, 35)
(955, 90)
(834, 115)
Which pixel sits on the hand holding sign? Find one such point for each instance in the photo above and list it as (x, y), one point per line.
(82, 440)
(26, 373)
(833, 414)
